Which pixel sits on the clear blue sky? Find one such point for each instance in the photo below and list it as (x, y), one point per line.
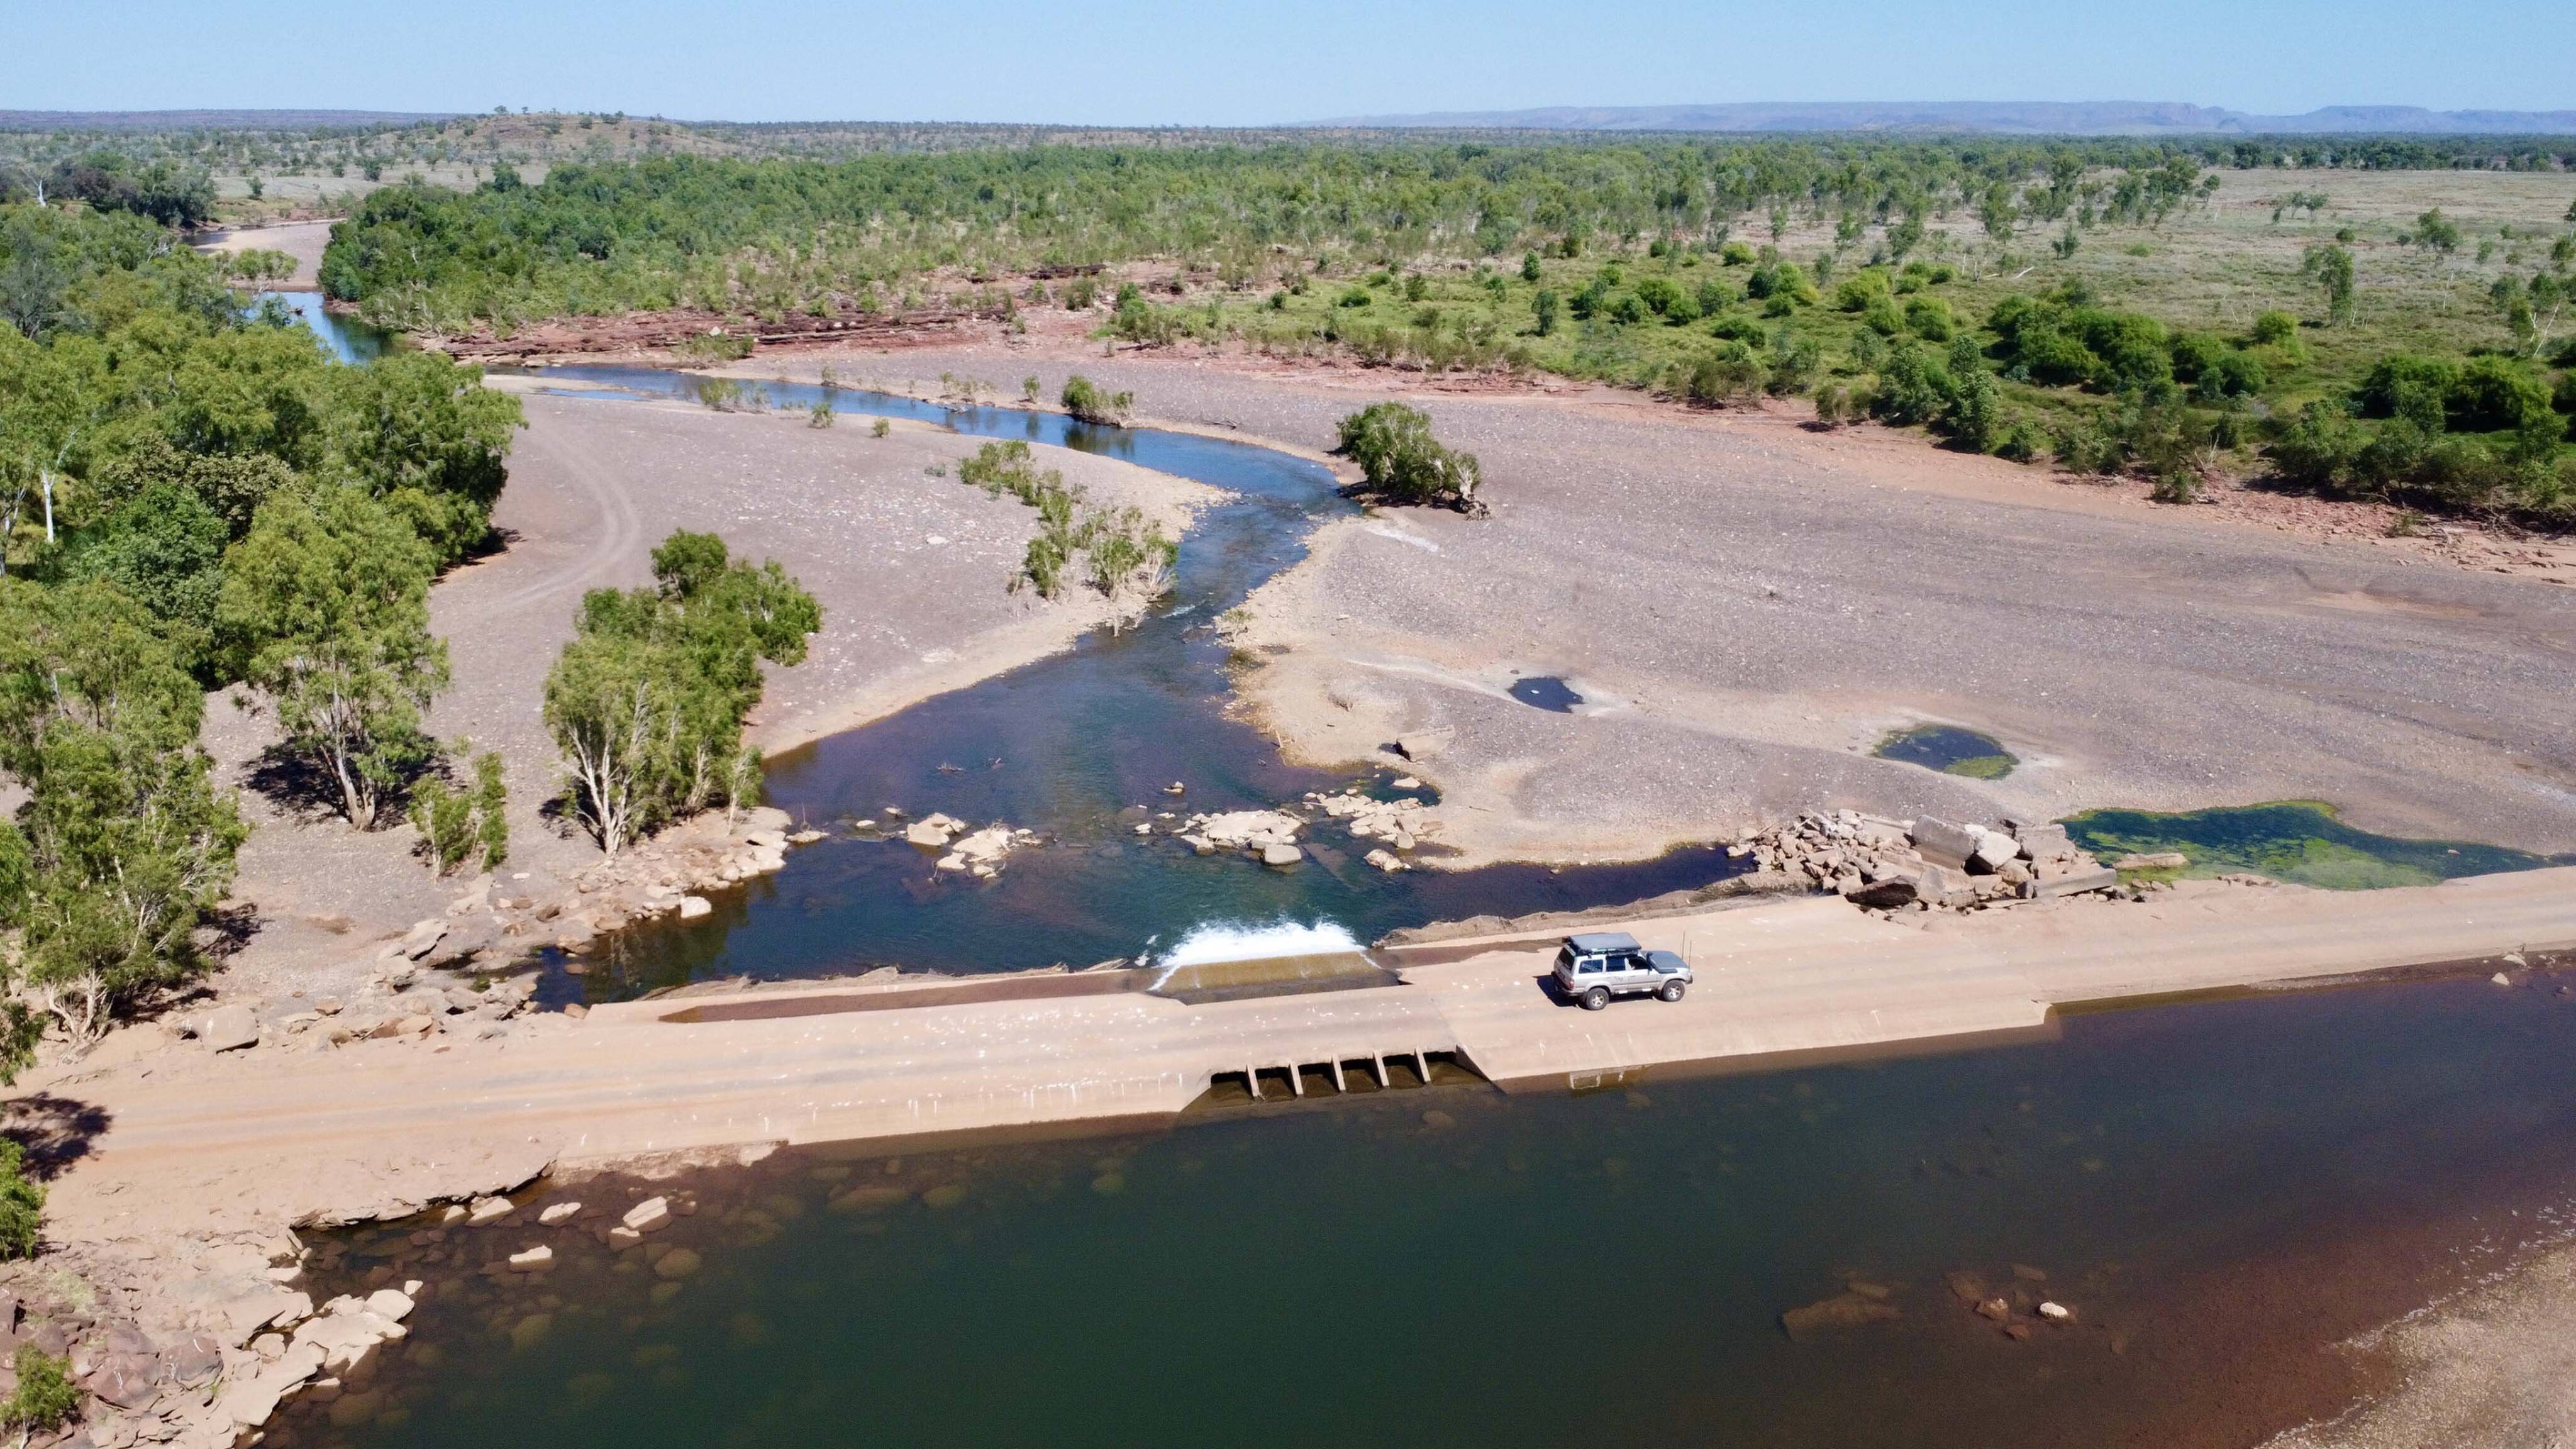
(1173, 62)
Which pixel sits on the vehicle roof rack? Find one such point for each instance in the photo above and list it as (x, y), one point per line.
(1592, 942)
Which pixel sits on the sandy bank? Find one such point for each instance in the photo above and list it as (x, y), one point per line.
(1748, 608)
(302, 240)
(2494, 1367)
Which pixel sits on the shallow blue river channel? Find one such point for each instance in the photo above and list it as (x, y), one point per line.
(1063, 746)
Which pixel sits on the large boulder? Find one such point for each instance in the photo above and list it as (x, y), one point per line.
(2074, 881)
(933, 832)
(1423, 744)
(1887, 892)
(2039, 842)
(1943, 885)
(1943, 843)
(227, 1027)
(424, 935)
(1992, 850)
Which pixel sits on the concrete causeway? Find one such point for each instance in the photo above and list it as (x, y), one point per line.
(1776, 980)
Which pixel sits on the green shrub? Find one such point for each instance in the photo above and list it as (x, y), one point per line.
(1088, 402)
(1913, 388)
(2022, 442)
(1973, 416)
(880, 428)
(457, 824)
(1796, 362)
(2405, 385)
(1726, 374)
(1738, 328)
(1882, 316)
(2084, 446)
(2274, 327)
(1544, 308)
(45, 1397)
(22, 1204)
(1403, 463)
(2497, 394)
(1860, 289)
(1929, 318)
(1737, 254)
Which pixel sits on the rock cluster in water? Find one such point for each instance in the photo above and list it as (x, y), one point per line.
(1271, 835)
(978, 853)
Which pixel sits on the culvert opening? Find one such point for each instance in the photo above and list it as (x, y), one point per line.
(1279, 1084)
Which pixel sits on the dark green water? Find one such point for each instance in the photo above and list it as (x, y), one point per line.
(1950, 750)
(1362, 1272)
(2292, 840)
(1062, 746)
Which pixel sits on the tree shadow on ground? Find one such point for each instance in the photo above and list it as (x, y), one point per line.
(55, 1131)
(294, 783)
(306, 792)
(226, 929)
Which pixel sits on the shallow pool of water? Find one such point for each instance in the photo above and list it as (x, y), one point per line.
(1950, 750)
(2292, 840)
(1546, 691)
(2216, 1189)
(1062, 746)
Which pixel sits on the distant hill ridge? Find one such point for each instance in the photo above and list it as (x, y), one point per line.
(2035, 118)
(235, 120)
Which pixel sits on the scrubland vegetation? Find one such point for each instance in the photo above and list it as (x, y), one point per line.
(2175, 310)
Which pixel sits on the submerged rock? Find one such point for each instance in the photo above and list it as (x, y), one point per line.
(1843, 1310)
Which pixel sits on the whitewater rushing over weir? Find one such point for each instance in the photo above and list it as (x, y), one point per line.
(1229, 941)
(1218, 960)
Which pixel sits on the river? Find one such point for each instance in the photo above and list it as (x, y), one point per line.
(2216, 1189)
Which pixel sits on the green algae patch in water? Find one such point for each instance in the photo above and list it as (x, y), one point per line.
(2291, 840)
(1950, 750)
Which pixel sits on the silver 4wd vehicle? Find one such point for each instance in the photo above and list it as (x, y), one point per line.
(1593, 968)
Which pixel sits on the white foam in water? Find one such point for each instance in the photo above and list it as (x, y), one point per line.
(1235, 941)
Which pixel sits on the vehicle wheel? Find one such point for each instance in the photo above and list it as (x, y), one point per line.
(1672, 991)
(1596, 998)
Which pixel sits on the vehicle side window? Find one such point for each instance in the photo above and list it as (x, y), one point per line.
(1591, 966)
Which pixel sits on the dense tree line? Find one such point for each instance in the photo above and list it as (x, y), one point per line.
(776, 235)
(193, 496)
